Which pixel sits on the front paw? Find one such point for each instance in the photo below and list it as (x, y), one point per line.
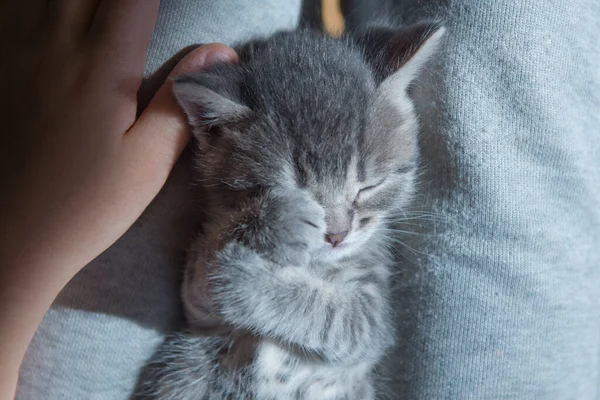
(291, 227)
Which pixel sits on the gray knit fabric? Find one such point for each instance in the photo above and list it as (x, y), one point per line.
(500, 298)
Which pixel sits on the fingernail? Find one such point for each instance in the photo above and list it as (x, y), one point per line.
(215, 57)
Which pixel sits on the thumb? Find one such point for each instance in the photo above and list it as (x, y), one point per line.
(161, 133)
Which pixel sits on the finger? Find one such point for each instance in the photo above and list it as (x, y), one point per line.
(161, 133)
(125, 26)
(72, 19)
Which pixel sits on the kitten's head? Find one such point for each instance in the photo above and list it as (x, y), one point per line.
(329, 116)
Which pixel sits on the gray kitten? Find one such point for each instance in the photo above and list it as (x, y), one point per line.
(304, 150)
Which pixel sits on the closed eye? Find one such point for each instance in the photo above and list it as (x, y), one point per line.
(370, 187)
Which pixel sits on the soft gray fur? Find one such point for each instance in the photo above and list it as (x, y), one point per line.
(308, 136)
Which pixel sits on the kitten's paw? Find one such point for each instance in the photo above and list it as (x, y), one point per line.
(295, 227)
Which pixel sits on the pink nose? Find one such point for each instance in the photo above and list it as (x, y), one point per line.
(335, 238)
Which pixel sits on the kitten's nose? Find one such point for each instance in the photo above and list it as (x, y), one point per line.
(335, 238)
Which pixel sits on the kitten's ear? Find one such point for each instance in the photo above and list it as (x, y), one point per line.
(401, 53)
(209, 100)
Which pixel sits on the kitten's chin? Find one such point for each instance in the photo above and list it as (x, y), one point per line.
(329, 254)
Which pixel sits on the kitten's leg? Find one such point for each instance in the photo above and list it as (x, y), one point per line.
(342, 322)
(185, 368)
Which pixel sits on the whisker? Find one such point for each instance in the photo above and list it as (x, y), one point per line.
(415, 251)
(388, 230)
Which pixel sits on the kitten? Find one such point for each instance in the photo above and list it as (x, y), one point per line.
(304, 149)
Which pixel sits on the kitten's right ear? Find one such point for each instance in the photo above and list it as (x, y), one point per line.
(401, 52)
(209, 100)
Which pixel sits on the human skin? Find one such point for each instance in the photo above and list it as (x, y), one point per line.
(76, 166)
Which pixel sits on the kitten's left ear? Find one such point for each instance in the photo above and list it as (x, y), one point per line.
(401, 53)
(209, 99)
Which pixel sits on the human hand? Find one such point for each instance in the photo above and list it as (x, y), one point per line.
(76, 166)
(79, 167)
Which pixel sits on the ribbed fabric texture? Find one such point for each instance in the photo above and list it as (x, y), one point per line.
(108, 321)
(500, 298)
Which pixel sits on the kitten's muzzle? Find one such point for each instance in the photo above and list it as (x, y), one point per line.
(335, 239)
